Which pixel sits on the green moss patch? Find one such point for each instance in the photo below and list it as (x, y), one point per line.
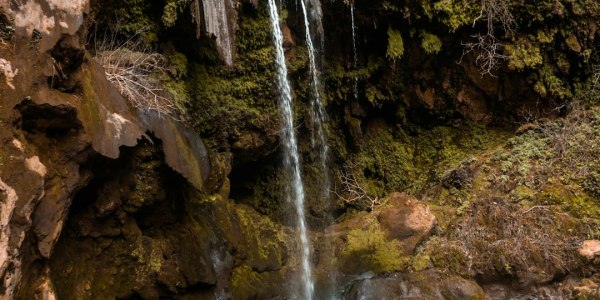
(369, 250)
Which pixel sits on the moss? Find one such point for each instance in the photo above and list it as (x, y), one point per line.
(263, 244)
(591, 183)
(369, 250)
(421, 262)
(170, 11)
(395, 160)
(266, 243)
(90, 109)
(395, 48)
(449, 257)
(463, 208)
(247, 283)
(577, 203)
(179, 93)
(243, 280)
(431, 43)
(545, 36)
(180, 63)
(135, 18)
(444, 211)
(551, 85)
(455, 13)
(229, 101)
(573, 43)
(535, 168)
(389, 6)
(522, 193)
(523, 54)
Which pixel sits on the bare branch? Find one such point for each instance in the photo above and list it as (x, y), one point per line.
(352, 192)
(134, 70)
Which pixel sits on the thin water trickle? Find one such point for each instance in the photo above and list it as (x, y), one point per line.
(318, 112)
(291, 159)
(354, 49)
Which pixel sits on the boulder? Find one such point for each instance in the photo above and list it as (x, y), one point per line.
(408, 220)
(590, 249)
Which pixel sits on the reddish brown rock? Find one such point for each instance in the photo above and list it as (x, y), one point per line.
(288, 38)
(590, 249)
(407, 220)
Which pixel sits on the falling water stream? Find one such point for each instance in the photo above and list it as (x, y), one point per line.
(291, 159)
(354, 49)
(319, 135)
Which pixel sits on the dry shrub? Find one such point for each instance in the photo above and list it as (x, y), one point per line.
(536, 245)
(136, 71)
(574, 141)
(595, 76)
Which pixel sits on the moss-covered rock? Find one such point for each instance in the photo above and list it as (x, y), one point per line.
(532, 179)
(382, 241)
(400, 160)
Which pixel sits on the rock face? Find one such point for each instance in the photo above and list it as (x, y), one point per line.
(101, 201)
(423, 285)
(58, 117)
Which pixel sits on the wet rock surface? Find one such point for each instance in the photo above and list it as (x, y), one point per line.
(424, 285)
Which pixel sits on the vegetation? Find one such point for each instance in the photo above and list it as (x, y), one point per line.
(400, 160)
(430, 43)
(136, 76)
(369, 250)
(530, 205)
(395, 48)
(239, 98)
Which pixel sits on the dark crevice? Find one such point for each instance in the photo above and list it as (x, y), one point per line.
(55, 121)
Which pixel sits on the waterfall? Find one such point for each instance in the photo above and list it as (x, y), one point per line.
(354, 49)
(291, 159)
(315, 16)
(317, 112)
